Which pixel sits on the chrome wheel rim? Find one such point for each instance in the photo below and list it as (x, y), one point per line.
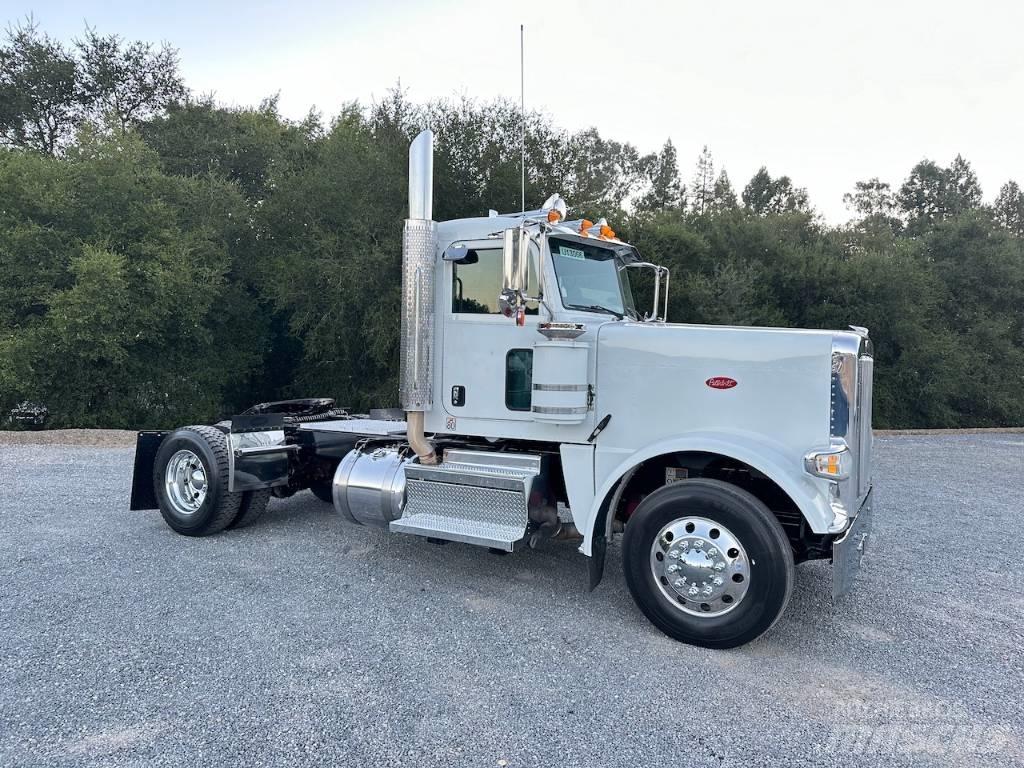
(700, 567)
(185, 482)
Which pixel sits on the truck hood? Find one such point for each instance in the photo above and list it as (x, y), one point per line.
(662, 380)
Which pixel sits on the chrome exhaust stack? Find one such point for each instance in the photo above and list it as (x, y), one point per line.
(419, 245)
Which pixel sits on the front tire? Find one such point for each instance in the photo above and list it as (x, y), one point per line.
(190, 478)
(708, 563)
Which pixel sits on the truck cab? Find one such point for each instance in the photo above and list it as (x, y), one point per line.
(540, 403)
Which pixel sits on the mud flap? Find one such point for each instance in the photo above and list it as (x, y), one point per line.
(146, 446)
(595, 565)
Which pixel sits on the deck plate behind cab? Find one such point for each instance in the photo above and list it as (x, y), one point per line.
(380, 427)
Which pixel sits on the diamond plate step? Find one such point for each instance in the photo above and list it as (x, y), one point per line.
(482, 534)
(473, 497)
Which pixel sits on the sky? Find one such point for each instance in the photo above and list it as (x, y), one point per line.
(827, 93)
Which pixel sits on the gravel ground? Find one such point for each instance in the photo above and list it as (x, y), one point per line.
(306, 640)
(98, 438)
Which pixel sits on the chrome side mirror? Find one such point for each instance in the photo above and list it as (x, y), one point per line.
(455, 252)
(516, 255)
(659, 312)
(515, 273)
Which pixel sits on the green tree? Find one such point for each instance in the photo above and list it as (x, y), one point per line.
(35, 244)
(962, 188)
(251, 147)
(665, 191)
(702, 192)
(874, 203)
(329, 255)
(41, 101)
(872, 198)
(982, 269)
(932, 194)
(723, 197)
(125, 327)
(922, 195)
(1009, 208)
(168, 260)
(765, 195)
(127, 82)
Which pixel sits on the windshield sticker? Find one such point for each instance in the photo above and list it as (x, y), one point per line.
(572, 253)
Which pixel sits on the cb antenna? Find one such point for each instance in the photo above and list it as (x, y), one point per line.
(522, 111)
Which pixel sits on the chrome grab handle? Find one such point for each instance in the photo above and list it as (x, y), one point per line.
(259, 450)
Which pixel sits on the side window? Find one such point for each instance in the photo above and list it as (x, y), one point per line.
(476, 283)
(518, 379)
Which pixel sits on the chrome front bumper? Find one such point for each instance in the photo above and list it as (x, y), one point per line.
(848, 550)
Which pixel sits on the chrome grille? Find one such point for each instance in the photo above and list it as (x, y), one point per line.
(865, 386)
(850, 416)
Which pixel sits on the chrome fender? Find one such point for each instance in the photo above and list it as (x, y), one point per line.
(810, 494)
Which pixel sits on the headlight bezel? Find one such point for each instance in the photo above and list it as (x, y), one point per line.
(834, 463)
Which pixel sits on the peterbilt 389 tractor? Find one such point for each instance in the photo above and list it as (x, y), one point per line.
(539, 402)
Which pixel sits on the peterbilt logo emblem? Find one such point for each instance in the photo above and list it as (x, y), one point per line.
(721, 382)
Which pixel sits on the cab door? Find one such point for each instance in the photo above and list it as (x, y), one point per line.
(487, 358)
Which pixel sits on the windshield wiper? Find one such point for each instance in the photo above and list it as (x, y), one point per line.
(599, 308)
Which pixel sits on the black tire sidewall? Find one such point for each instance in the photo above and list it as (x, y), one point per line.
(771, 561)
(323, 490)
(251, 508)
(198, 522)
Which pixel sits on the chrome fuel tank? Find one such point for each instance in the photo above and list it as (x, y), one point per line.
(369, 485)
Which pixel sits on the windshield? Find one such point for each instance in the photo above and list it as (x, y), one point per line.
(591, 277)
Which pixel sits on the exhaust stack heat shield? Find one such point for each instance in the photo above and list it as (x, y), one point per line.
(419, 245)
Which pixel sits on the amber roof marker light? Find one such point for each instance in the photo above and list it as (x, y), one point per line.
(555, 208)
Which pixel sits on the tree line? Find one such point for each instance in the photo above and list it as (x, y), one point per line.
(167, 259)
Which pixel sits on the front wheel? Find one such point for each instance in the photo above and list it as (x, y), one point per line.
(708, 563)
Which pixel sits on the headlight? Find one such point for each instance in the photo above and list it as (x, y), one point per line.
(833, 464)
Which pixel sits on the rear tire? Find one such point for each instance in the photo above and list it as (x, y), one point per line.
(190, 481)
(323, 490)
(707, 563)
(251, 509)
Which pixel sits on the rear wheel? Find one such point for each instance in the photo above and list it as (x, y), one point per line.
(323, 490)
(251, 508)
(708, 563)
(190, 478)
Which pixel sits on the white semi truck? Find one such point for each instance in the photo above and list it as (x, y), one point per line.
(539, 402)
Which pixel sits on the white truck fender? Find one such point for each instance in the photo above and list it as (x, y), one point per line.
(809, 494)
